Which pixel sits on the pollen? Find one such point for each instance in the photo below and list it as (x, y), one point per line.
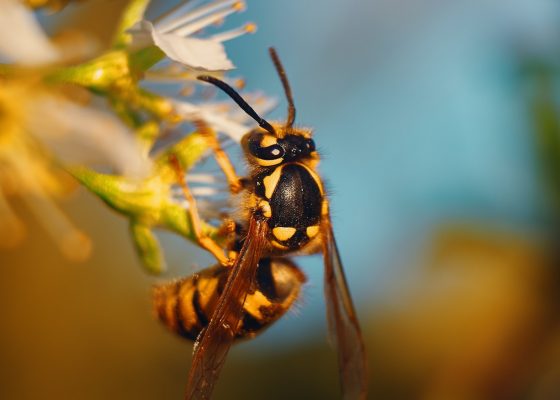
(250, 27)
(239, 6)
(240, 83)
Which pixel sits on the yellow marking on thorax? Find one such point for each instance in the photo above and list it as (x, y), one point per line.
(312, 231)
(271, 181)
(325, 208)
(283, 233)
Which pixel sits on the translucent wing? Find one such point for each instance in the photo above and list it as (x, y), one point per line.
(213, 345)
(344, 328)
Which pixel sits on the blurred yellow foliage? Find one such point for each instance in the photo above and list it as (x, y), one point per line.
(474, 321)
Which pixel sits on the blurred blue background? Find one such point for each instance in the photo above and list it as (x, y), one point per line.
(421, 112)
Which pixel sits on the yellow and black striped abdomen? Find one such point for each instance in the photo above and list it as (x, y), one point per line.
(186, 305)
(295, 196)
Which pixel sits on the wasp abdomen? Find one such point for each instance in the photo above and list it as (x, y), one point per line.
(295, 196)
(186, 305)
(183, 305)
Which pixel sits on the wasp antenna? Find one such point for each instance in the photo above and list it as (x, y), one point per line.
(286, 84)
(263, 123)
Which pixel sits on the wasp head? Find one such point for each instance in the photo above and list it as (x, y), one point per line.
(268, 149)
(271, 145)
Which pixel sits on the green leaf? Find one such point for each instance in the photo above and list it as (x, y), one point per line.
(146, 58)
(108, 71)
(148, 247)
(188, 151)
(142, 199)
(147, 134)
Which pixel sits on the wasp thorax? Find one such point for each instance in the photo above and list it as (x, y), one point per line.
(269, 150)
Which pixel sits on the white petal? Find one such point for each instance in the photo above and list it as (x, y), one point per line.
(259, 102)
(141, 34)
(195, 53)
(206, 54)
(235, 33)
(182, 15)
(80, 135)
(205, 191)
(21, 38)
(225, 125)
(231, 128)
(196, 26)
(204, 178)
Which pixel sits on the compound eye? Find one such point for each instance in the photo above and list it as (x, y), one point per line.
(265, 149)
(310, 144)
(272, 152)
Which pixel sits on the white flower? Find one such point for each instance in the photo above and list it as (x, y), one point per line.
(22, 40)
(79, 135)
(74, 132)
(40, 130)
(173, 35)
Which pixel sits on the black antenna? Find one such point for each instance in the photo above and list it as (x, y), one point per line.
(280, 69)
(263, 123)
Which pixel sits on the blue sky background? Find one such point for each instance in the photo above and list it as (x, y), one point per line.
(421, 112)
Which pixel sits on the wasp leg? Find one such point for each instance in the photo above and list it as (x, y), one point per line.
(203, 240)
(227, 228)
(234, 181)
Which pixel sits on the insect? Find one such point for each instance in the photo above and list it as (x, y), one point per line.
(284, 211)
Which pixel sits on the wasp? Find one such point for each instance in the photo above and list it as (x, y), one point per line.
(284, 211)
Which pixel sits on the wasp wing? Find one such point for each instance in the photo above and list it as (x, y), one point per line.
(214, 343)
(344, 328)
